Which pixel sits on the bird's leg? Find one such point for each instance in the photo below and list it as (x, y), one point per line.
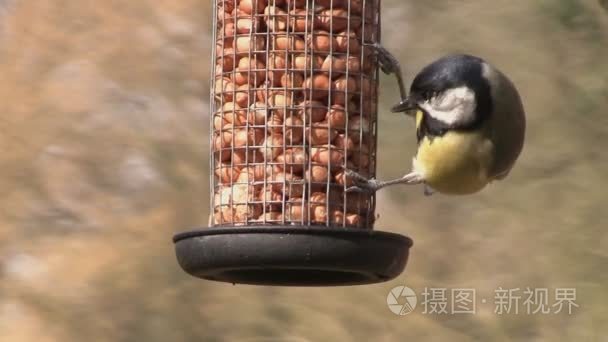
(390, 65)
(363, 184)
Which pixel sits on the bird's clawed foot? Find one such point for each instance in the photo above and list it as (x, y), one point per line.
(360, 182)
(363, 184)
(390, 65)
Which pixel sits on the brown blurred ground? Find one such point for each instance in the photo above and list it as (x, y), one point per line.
(103, 142)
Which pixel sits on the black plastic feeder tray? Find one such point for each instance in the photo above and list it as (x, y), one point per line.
(292, 255)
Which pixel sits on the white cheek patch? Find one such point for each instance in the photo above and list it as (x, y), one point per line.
(454, 106)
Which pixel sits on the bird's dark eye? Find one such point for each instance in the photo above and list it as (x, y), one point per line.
(430, 94)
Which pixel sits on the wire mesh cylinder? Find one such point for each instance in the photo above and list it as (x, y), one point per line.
(293, 103)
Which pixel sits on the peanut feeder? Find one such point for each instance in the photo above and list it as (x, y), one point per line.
(294, 100)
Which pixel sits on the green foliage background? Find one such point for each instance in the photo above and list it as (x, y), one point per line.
(103, 156)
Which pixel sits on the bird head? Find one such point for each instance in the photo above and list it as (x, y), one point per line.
(454, 90)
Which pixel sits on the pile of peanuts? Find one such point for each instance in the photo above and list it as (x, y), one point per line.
(295, 98)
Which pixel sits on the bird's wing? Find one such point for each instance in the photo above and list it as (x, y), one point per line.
(507, 127)
(502, 175)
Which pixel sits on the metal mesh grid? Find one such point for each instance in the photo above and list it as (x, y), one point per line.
(293, 102)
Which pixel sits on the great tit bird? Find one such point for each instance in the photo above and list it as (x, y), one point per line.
(470, 125)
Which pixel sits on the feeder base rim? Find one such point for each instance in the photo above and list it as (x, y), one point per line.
(292, 255)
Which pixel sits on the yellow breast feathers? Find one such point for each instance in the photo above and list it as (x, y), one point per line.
(456, 162)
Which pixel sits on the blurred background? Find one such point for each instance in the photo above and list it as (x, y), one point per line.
(103, 157)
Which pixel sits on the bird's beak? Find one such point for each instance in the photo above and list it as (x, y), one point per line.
(407, 106)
